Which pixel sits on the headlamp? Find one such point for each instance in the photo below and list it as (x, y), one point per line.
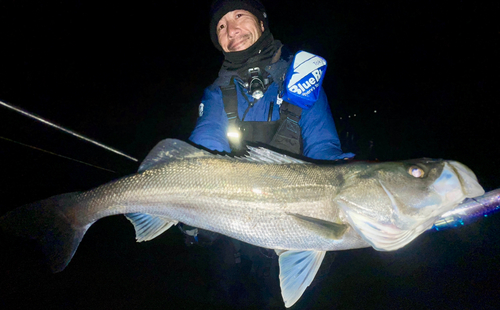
(256, 84)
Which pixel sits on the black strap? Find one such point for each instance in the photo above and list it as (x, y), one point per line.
(290, 111)
(288, 137)
(230, 100)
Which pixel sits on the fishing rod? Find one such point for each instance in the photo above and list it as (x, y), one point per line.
(46, 122)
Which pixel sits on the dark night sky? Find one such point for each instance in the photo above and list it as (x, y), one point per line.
(129, 75)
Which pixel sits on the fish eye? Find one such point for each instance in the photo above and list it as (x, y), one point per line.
(416, 171)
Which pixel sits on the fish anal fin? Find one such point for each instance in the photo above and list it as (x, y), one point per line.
(147, 226)
(297, 271)
(327, 229)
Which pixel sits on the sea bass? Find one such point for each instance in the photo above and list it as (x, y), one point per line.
(267, 199)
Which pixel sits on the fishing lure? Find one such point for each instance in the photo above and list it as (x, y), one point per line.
(470, 210)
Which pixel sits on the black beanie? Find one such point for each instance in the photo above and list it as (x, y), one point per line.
(222, 7)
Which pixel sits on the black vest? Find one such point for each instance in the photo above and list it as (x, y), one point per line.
(284, 134)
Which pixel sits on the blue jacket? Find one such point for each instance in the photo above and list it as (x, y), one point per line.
(320, 138)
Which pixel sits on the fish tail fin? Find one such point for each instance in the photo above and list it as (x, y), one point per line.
(52, 224)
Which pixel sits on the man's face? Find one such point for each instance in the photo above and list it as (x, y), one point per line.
(238, 30)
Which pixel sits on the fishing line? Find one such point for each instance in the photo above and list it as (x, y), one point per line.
(65, 130)
(49, 152)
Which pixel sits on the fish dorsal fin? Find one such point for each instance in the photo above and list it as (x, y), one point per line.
(330, 230)
(263, 155)
(172, 149)
(149, 226)
(168, 150)
(297, 271)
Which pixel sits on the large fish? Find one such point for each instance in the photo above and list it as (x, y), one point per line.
(266, 199)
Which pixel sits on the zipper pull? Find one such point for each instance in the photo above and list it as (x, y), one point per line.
(279, 100)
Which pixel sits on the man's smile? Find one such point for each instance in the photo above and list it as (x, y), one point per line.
(235, 44)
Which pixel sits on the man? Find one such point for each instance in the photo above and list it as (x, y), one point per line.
(239, 28)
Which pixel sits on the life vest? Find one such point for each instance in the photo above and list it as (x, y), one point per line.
(284, 134)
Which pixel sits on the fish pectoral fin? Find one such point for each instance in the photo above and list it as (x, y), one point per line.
(147, 226)
(297, 271)
(383, 237)
(323, 228)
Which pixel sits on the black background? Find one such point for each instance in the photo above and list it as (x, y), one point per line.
(129, 75)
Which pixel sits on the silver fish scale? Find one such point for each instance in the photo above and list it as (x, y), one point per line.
(249, 201)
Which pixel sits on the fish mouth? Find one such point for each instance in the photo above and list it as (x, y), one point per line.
(468, 180)
(456, 183)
